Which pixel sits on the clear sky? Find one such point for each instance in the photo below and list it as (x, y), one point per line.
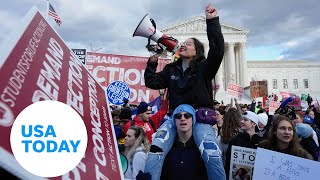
(279, 29)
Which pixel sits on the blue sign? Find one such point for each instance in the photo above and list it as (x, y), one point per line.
(117, 91)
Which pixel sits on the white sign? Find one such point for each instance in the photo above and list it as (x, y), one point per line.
(241, 163)
(235, 90)
(274, 165)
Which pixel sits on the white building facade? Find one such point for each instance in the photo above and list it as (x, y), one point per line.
(298, 77)
(282, 76)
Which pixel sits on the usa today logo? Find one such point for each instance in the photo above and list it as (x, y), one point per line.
(48, 138)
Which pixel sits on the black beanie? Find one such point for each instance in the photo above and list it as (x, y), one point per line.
(143, 107)
(125, 113)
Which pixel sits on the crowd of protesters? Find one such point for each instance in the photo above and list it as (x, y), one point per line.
(196, 141)
(238, 125)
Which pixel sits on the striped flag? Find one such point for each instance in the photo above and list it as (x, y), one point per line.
(54, 15)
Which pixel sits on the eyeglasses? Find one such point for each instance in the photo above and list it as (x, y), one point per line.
(179, 116)
(187, 44)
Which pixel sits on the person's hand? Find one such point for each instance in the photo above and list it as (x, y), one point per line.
(210, 11)
(144, 176)
(154, 58)
(235, 100)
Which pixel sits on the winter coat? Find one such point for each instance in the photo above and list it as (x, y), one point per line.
(190, 87)
(146, 126)
(136, 163)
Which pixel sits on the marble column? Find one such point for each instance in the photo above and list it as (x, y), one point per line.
(225, 67)
(231, 64)
(238, 64)
(244, 68)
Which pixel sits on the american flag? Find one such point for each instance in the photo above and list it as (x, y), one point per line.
(53, 14)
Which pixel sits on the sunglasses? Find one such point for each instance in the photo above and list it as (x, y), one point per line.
(179, 116)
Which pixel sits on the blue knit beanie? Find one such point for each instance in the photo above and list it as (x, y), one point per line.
(184, 108)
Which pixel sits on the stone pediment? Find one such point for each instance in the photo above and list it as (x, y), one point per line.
(198, 25)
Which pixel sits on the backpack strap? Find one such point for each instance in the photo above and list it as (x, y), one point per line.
(132, 122)
(152, 124)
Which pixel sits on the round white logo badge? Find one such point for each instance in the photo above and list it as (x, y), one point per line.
(48, 138)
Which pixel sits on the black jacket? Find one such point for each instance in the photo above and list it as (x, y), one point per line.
(192, 87)
(242, 140)
(184, 162)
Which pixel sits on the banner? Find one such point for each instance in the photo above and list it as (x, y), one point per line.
(107, 68)
(258, 89)
(274, 165)
(241, 163)
(40, 66)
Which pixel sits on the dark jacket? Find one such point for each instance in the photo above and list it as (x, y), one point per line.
(300, 152)
(311, 147)
(192, 87)
(184, 162)
(242, 140)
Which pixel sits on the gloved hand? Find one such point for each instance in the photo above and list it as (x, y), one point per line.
(143, 176)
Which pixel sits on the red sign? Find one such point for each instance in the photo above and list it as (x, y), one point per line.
(41, 67)
(107, 68)
(296, 103)
(285, 95)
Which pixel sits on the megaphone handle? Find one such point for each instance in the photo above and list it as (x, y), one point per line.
(155, 27)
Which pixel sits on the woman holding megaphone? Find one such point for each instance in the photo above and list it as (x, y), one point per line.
(189, 81)
(136, 148)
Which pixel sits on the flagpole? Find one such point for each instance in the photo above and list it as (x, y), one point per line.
(47, 10)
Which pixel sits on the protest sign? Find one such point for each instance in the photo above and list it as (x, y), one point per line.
(241, 163)
(107, 68)
(117, 92)
(258, 89)
(81, 54)
(273, 106)
(285, 95)
(235, 90)
(296, 103)
(37, 65)
(275, 165)
(304, 103)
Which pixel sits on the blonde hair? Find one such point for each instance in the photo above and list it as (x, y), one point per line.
(141, 140)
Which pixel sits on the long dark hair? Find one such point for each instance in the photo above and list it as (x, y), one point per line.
(294, 147)
(197, 58)
(231, 125)
(199, 55)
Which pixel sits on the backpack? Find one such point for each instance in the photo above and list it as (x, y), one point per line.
(150, 121)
